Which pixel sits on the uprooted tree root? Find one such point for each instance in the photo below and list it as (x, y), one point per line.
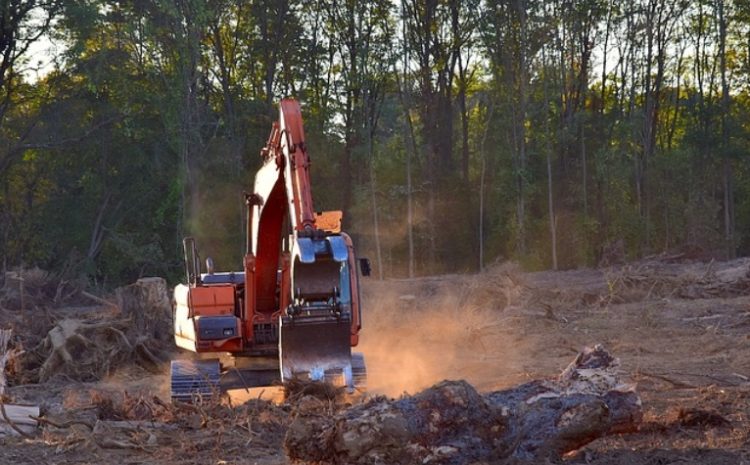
(27, 289)
(452, 423)
(89, 349)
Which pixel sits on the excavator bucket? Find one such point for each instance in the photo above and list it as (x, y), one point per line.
(316, 332)
(318, 348)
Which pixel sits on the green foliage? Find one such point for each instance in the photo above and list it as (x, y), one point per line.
(148, 129)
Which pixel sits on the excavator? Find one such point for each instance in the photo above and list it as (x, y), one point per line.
(294, 310)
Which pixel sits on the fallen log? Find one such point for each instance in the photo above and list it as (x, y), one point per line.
(451, 423)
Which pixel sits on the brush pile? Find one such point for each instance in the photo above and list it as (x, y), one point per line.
(653, 279)
(136, 329)
(100, 420)
(63, 335)
(658, 277)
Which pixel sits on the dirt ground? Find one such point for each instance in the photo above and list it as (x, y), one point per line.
(681, 330)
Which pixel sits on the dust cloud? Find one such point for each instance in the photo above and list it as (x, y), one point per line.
(215, 218)
(419, 332)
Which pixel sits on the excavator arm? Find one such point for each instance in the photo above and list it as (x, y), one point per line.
(311, 297)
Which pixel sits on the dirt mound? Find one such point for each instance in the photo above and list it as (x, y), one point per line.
(678, 326)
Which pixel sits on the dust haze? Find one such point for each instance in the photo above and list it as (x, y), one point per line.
(419, 332)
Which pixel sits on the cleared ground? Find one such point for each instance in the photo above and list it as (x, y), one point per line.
(681, 330)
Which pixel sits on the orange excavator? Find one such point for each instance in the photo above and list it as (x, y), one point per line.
(294, 310)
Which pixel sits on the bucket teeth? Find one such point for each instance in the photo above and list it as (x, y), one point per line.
(195, 379)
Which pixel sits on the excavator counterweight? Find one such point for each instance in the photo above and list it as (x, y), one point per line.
(296, 301)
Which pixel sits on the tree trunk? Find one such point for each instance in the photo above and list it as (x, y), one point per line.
(522, 130)
(374, 201)
(411, 150)
(727, 164)
(409, 199)
(608, 26)
(482, 175)
(462, 86)
(584, 174)
(550, 195)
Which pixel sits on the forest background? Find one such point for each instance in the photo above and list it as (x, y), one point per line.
(452, 134)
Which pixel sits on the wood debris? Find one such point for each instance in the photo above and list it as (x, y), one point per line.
(452, 423)
(656, 279)
(88, 349)
(18, 419)
(14, 418)
(6, 356)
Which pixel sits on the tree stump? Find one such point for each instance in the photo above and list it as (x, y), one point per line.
(451, 423)
(146, 303)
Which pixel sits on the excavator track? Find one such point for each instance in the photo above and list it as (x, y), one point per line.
(359, 371)
(200, 380)
(195, 380)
